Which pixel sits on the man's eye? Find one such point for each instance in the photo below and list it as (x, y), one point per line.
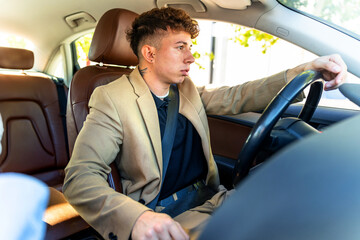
(180, 47)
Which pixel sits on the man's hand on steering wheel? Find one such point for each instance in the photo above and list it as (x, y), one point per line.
(332, 67)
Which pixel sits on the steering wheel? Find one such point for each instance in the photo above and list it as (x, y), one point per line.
(272, 114)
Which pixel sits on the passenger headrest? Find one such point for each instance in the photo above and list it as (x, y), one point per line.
(109, 44)
(16, 58)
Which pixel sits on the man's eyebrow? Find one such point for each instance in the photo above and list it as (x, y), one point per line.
(183, 42)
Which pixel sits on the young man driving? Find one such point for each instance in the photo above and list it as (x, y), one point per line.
(128, 120)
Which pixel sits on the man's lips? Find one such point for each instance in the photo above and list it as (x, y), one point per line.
(185, 72)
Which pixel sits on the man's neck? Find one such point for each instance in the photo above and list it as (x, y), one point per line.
(156, 86)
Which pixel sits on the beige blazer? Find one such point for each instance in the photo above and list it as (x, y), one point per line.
(123, 125)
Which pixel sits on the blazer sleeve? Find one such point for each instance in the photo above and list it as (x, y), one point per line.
(85, 186)
(247, 97)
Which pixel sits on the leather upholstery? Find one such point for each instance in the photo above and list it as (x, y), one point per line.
(15, 58)
(109, 46)
(34, 141)
(81, 88)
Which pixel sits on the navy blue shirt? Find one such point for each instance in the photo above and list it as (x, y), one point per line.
(187, 162)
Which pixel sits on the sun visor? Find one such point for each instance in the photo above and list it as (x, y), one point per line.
(194, 5)
(233, 4)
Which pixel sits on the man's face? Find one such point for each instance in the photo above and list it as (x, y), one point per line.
(173, 57)
(1, 131)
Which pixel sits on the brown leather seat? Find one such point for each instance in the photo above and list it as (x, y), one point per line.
(34, 139)
(109, 47)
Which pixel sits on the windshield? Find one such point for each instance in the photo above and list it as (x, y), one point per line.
(343, 13)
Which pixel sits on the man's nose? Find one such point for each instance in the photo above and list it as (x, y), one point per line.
(189, 58)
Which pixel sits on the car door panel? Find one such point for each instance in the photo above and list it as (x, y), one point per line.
(229, 133)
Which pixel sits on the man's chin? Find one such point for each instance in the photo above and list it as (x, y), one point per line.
(181, 80)
(177, 81)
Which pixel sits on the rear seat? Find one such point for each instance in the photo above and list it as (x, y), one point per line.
(34, 139)
(34, 136)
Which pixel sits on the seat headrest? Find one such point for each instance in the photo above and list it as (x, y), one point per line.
(109, 44)
(16, 58)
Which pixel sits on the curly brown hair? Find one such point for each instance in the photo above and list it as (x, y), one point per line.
(149, 23)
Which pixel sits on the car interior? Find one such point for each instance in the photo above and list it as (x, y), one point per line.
(43, 113)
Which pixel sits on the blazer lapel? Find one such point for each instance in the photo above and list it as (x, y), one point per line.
(149, 113)
(189, 110)
(192, 108)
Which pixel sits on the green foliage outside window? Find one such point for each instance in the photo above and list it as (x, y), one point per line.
(245, 36)
(82, 48)
(197, 55)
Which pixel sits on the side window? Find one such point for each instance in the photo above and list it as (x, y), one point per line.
(82, 46)
(77, 54)
(57, 65)
(241, 54)
(228, 54)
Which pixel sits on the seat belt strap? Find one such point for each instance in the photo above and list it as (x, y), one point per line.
(62, 96)
(167, 141)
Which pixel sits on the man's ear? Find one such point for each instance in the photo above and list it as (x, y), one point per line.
(148, 53)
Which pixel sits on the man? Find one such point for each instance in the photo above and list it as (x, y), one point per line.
(128, 119)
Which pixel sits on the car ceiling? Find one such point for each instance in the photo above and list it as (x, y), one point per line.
(43, 22)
